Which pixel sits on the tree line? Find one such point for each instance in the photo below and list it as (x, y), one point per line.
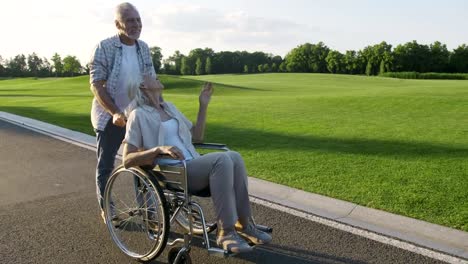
(35, 66)
(315, 58)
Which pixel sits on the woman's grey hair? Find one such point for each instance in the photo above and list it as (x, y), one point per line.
(121, 9)
(137, 98)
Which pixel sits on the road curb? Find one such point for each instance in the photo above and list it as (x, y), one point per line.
(443, 239)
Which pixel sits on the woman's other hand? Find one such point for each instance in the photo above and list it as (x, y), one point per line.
(205, 94)
(172, 151)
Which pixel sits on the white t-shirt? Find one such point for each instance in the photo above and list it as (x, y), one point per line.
(129, 67)
(172, 138)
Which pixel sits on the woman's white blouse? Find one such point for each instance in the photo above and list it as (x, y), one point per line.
(145, 129)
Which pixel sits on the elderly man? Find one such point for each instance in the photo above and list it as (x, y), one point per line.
(113, 60)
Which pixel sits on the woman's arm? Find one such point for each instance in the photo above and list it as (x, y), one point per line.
(133, 157)
(198, 130)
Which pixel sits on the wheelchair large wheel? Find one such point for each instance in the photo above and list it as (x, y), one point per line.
(137, 214)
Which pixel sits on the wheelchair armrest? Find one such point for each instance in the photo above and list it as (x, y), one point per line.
(215, 146)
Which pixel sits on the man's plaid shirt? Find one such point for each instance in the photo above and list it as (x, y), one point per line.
(105, 66)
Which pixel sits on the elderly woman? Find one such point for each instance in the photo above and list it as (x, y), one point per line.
(156, 128)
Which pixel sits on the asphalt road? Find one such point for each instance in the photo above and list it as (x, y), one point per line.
(49, 214)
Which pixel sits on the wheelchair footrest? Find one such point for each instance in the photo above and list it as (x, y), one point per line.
(263, 228)
(220, 253)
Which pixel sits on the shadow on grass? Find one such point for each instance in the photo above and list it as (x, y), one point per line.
(189, 83)
(16, 90)
(251, 139)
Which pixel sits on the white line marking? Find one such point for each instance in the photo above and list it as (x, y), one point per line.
(363, 233)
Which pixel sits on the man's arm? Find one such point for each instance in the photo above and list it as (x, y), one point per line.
(100, 93)
(98, 75)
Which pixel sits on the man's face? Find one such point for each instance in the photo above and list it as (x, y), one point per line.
(130, 24)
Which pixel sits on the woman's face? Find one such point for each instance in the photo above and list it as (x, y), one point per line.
(152, 87)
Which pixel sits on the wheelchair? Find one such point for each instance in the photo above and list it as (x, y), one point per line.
(141, 204)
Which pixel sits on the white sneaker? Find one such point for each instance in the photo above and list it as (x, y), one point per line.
(253, 235)
(232, 242)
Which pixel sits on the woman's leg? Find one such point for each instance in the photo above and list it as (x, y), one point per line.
(246, 228)
(216, 170)
(241, 188)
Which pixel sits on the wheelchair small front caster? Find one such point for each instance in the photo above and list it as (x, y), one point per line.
(184, 256)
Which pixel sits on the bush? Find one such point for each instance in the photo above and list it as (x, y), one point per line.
(426, 75)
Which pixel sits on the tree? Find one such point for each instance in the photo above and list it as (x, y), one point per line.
(156, 57)
(227, 62)
(276, 60)
(196, 54)
(246, 68)
(58, 66)
(71, 65)
(369, 68)
(308, 58)
(266, 68)
(351, 62)
(208, 69)
(45, 69)
(176, 62)
(274, 67)
(282, 67)
(199, 70)
(459, 59)
(382, 67)
(260, 68)
(34, 63)
(185, 67)
(17, 66)
(373, 55)
(335, 62)
(439, 57)
(2, 68)
(86, 68)
(412, 57)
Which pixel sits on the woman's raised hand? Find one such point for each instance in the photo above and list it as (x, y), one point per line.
(205, 94)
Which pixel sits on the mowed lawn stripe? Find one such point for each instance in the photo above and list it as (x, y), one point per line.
(396, 145)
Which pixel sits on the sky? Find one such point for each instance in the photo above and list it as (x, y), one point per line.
(274, 26)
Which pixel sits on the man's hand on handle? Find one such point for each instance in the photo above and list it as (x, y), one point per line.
(118, 119)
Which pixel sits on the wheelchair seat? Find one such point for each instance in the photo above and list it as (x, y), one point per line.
(165, 176)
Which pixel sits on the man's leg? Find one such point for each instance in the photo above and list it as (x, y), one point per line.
(108, 143)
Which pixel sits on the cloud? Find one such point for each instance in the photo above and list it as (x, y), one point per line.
(197, 26)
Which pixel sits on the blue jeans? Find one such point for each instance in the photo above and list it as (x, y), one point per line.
(108, 143)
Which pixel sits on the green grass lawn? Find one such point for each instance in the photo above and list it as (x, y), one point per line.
(396, 145)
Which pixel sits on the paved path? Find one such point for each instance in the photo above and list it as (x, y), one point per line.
(49, 214)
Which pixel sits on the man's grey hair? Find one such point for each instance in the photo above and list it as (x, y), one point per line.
(121, 9)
